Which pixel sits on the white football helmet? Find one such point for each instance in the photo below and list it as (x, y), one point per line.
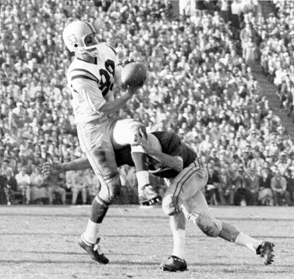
(80, 37)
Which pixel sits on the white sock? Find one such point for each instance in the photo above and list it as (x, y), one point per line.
(91, 233)
(179, 237)
(249, 242)
(143, 179)
(137, 148)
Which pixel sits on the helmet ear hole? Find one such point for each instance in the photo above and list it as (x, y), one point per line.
(75, 45)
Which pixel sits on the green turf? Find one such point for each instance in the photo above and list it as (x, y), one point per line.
(41, 242)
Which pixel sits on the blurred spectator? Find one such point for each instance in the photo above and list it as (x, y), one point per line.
(3, 187)
(11, 186)
(79, 186)
(290, 184)
(23, 184)
(240, 189)
(224, 189)
(279, 189)
(5, 167)
(55, 185)
(283, 163)
(212, 185)
(265, 195)
(38, 188)
(70, 178)
(253, 184)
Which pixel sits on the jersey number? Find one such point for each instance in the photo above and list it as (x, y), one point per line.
(107, 75)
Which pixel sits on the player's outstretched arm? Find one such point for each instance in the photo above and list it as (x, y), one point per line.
(53, 168)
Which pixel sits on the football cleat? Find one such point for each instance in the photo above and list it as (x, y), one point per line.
(173, 264)
(148, 196)
(266, 250)
(93, 250)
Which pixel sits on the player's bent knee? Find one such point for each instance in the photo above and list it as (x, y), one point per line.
(168, 205)
(208, 225)
(112, 192)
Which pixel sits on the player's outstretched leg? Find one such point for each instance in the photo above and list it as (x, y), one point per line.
(198, 213)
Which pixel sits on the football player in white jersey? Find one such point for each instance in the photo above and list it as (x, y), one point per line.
(91, 76)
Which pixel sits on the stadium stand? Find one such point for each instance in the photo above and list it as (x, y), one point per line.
(200, 84)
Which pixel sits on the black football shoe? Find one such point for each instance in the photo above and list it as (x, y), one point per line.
(149, 196)
(266, 251)
(173, 264)
(93, 250)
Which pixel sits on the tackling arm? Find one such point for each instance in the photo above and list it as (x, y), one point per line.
(78, 164)
(122, 156)
(53, 168)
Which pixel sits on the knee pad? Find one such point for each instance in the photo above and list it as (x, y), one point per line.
(208, 225)
(114, 193)
(168, 205)
(111, 190)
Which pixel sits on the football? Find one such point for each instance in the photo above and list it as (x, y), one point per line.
(133, 74)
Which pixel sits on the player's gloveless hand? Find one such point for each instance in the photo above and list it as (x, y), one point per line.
(143, 141)
(50, 168)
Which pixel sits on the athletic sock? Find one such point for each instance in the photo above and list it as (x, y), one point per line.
(143, 179)
(98, 212)
(249, 242)
(91, 232)
(179, 237)
(139, 158)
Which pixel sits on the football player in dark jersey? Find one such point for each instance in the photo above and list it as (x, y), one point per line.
(183, 200)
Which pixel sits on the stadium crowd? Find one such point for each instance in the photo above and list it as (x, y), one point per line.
(277, 52)
(200, 85)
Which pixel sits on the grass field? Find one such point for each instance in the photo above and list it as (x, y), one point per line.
(38, 242)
